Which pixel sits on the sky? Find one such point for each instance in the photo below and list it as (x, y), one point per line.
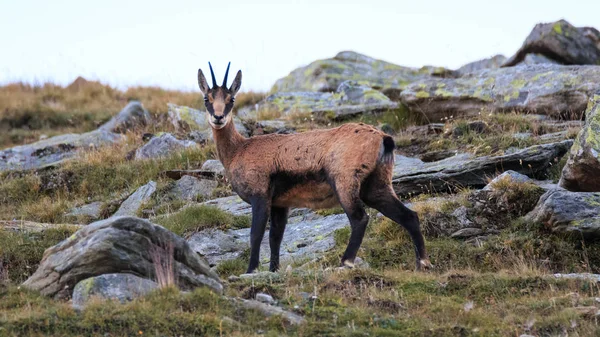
(163, 43)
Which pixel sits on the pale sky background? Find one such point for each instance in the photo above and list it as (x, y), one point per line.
(162, 43)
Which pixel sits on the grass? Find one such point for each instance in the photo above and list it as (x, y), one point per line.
(195, 218)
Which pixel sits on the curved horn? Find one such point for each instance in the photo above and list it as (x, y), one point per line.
(213, 76)
(226, 73)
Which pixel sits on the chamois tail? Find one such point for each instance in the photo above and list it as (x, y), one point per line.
(386, 154)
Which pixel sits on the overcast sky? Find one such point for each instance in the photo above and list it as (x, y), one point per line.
(163, 43)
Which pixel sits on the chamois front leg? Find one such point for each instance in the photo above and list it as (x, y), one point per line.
(279, 217)
(260, 216)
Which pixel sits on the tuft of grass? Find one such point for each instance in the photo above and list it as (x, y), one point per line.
(196, 218)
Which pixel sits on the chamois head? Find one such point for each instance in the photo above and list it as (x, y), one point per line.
(219, 99)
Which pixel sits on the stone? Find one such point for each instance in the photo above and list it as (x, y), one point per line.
(162, 146)
(561, 42)
(232, 204)
(467, 233)
(135, 201)
(553, 90)
(306, 237)
(121, 287)
(569, 212)
(270, 310)
(411, 176)
(90, 211)
(53, 151)
(510, 174)
(186, 119)
(327, 75)
(32, 227)
(582, 170)
(273, 126)
(265, 298)
(119, 245)
(472, 126)
(132, 117)
(190, 188)
(350, 99)
(489, 63)
(214, 165)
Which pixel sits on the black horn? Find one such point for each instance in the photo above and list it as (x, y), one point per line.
(226, 73)
(213, 76)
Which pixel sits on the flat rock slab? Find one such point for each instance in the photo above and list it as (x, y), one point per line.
(350, 99)
(327, 75)
(30, 226)
(120, 287)
(554, 90)
(90, 211)
(190, 188)
(134, 116)
(562, 42)
(119, 245)
(306, 237)
(569, 212)
(412, 176)
(134, 202)
(582, 170)
(163, 146)
(232, 204)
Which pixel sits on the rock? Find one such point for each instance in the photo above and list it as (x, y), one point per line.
(178, 174)
(273, 126)
(32, 227)
(135, 201)
(553, 90)
(305, 237)
(215, 166)
(412, 176)
(327, 75)
(163, 146)
(54, 150)
(583, 165)
(467, 233)
(190, 188)
(437, 155)
(270, 310)
(121, 287)
(265, 298)
(510, 174)
(350, 99)
(232, 204)
(90, 211)
(567, 212)
(537, 59)
(132, 117)
(472, 126)
(119, 245)
(561, 42)
(490, 63)
(579, 276)
(186, 119)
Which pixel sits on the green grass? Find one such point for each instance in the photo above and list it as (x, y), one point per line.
(195, 218)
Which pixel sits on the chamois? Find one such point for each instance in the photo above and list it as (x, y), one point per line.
(350, 165)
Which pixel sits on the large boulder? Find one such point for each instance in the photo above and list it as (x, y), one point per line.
(162, 146)
(133, 117)
(546, 89)
(120, 245)
(582, 171)
(569, 212)
(562, 42)
(195, 122)
(54, 150)
(351, 98)
(120, 287)
(327, 75)
(412, 176)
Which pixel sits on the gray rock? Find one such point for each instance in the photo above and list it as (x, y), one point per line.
(265, 298)
(273, 126)
(562, 42)
(510, 174)
(350, 99)
(214, 165)
(537, 59)
(90, 211)
(412, 176)
(489, 63)
(131, 205)
(121, 287)
(304, 238)
(233, 204)
(270, 310)
(32, 227)
(467, 233)
(554, 90)
(582, 171)
(54, 150)
(162, 146)
(190, 188)
(132, 117)
(326, 75)
(579, 276)
(186, 119)
(565, 212)
(119, 245)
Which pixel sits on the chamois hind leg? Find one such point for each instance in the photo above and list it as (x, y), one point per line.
(378, 193)
(348, 195)
(279, 217)
(260, 216)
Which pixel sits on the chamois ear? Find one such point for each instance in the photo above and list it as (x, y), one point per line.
(237, 83)
(202, 82)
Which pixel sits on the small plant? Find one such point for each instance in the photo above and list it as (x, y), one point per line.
(163, 261)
